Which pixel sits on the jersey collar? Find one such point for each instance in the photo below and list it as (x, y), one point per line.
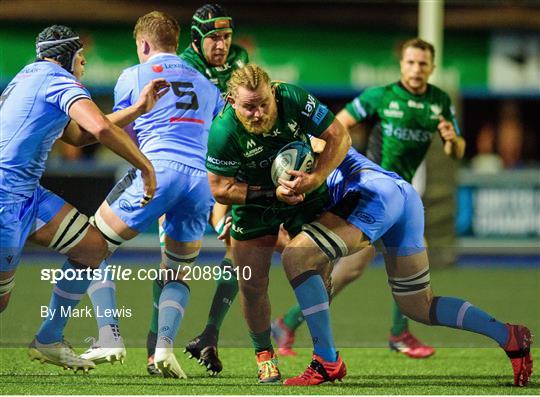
(160, 54)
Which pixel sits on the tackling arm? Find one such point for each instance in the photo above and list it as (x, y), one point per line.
(337, 143)
(88, 116)
(76, 135)
(150, 94)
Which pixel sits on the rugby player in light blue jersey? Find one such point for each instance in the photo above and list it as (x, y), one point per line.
(174, 137)
(43, 103)
(370, 205)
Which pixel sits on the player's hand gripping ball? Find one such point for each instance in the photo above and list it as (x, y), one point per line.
(296, 156)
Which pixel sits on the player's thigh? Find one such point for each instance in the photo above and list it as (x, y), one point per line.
(121, 217)
(60, 226)
(255, 254)
(406, 236)
(7, 283)
(70, 233)
(351, 267)
(178, 257)
(329, 238)
(187, 218)
(16, 220)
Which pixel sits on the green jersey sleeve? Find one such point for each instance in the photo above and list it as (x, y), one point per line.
(222, 156)
(313, 116)
(365, 106)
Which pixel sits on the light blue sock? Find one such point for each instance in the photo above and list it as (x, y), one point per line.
(457, 313)
(172, 304)
(102, 294)
(66, 295)
(313, 299)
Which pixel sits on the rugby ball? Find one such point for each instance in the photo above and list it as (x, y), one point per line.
(296, 156)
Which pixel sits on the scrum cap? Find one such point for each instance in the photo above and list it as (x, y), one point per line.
(59, 43)
(208, 19)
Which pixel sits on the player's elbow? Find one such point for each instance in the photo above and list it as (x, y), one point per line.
(342, 135)
(221, 196)
(101, 128)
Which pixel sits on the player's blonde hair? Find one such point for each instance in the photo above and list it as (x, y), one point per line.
(159, 28)
(250, 77)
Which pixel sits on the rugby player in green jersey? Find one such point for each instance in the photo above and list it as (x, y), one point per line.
(212, 53)
(406, 116)
(260, 118)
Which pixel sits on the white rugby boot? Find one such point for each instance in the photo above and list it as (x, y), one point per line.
(166, 361)
(59, 353)
(105, 351)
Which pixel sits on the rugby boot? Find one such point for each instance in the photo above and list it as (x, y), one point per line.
(319, 371)
(166, 362)
(151, 367)
(108, 351)
(283, 336)
(518, 350)
(409, 345)
(267, 364)
(59, 353)
(204, 349)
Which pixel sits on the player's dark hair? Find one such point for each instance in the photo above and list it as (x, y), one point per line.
(208, 19)
(420, 44)
(60, 43)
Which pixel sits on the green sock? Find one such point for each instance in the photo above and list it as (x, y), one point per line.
(226, 291)
(293, 318)
(156, 292)
(400, 323)
(261, 341)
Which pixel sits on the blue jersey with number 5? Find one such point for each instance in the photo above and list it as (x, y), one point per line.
(177, 127)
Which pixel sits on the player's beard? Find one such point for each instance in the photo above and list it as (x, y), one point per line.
(264, 124)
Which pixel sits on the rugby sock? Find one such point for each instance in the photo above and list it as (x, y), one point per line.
(313, 299)
(261, 341)
(293, 318)
(224, 296)
(172, 303)
(457, 313)
(102, 294)
(66, 295)
(157, 287)
(400, 323)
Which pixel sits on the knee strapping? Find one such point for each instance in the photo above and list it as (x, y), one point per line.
(7, 285)
(71, 231)
(329, 242)
(175, 261)
(410, 285)
(112, 238)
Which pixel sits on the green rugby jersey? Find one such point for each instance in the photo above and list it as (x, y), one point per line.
(403, 124)
(218, 75)
(233, 151)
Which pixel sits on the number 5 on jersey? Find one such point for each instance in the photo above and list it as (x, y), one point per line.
(179, 89)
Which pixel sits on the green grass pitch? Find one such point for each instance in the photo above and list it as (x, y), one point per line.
(463, 364)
